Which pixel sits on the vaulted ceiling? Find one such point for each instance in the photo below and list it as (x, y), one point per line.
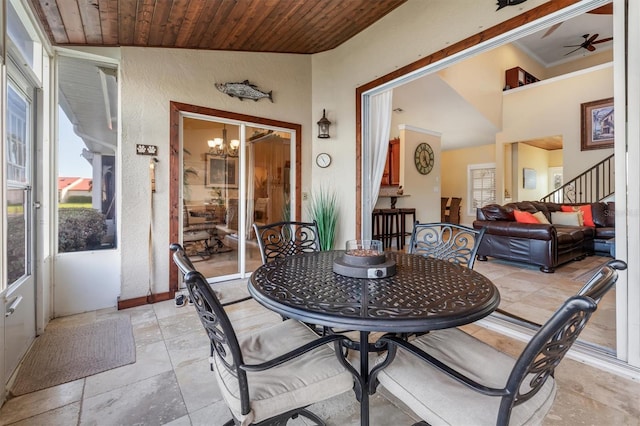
(284, 26)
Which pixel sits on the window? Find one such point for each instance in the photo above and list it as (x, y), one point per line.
(23, 37)
(482, 185)
(18, 140)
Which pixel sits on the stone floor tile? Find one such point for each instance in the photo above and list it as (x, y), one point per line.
(617, 392)
(574, 409)
(167, 309)
(142, 314)
(213, 414)
(198, 384)
(31, 404)
(189, 347)
(146, 333)
(185, 322)
(154, 401)
(62, 416)
(182, 421)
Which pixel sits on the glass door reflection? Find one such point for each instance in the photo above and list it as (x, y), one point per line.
(210, 174)
(217, 237)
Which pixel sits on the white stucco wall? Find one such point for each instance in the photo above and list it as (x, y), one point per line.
(481, 78)
(151, 78)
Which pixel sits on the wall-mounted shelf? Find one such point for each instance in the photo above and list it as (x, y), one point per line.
(516, 77)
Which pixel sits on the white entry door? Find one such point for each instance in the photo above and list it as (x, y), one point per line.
(19, 297)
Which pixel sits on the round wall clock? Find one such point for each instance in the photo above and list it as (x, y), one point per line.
(323, 160)
(424, 158)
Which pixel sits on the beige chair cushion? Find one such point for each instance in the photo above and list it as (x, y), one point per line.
(440, 400)
(312, 377)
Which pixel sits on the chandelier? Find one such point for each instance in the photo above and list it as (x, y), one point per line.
(223, 146)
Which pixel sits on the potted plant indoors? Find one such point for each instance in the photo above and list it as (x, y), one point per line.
(324, 210)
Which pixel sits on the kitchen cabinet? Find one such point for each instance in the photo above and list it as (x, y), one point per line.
(391, 175)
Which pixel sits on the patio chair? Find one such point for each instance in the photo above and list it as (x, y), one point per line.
(595, 288)
(185, 266)
(455, 243)
(451, 377)
(268, 376)
(282, 239)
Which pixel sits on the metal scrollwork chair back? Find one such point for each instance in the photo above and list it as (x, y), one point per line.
(291, 367)
(283, 239)
(447, 241)
(469, 382)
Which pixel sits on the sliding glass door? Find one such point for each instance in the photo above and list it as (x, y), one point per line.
(234, 174)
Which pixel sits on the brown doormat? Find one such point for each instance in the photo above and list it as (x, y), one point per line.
(64, 354)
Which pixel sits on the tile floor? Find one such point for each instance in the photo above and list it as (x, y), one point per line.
(531, 294)
(170, 382)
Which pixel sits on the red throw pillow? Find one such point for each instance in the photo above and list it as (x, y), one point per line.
(525, 217)
(587, 215)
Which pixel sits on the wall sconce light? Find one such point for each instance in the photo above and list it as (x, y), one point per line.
(323, 126)
(222, 146)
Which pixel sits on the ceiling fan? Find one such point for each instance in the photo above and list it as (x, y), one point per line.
(589, 41)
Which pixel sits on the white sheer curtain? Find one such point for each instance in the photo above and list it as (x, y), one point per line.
(250, 186)
(380, 113)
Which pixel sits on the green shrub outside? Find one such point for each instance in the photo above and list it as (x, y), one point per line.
(15, 245)
(79, 199)
(80, 229)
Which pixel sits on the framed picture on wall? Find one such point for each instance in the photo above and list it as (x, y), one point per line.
(597, 124)
(221, 172)
(529, 178)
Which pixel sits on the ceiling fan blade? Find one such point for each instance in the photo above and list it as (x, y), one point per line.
(551, 30)
(592, 38)
(604, 40)
(607, 9)
(590, 48)
(573, 45)
(574, 50)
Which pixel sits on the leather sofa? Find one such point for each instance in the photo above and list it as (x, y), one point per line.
(545, 245)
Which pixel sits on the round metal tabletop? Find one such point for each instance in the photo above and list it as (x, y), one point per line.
(425, 293)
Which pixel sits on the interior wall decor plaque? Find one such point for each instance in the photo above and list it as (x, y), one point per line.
(221, 171)
(529, 178)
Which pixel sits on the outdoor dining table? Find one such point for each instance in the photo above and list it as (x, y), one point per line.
(424, 294)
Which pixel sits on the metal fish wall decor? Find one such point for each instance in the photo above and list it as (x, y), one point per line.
(505, 3)
(244, 90)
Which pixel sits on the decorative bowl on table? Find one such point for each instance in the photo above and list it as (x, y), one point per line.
(364, 259)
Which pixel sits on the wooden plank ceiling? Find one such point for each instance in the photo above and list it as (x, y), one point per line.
(285, 26)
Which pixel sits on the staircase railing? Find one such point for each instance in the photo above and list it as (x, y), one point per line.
(593, 185)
